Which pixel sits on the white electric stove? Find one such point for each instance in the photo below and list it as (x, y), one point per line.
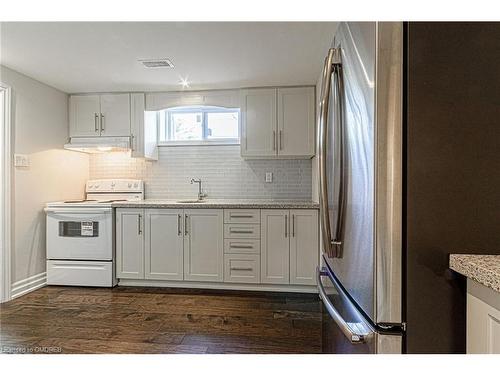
(80, 234)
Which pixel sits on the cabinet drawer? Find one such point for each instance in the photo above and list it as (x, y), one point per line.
(241, 246)
(80, 273)
(241, 216)
(242, 231)
(241, 268)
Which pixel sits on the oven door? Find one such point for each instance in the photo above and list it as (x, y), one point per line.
(80, 233)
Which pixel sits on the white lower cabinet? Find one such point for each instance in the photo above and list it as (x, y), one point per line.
(203, 245)
(289, 246)
(268, 246)
(275, 247)
(130, 243)
(164, 244)
(483, 319)
(304, 245)
(242, 268)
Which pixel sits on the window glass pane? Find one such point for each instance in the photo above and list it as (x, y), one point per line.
(187, 126)
(222, 125)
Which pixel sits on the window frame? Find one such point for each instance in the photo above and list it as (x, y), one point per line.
(204, 110)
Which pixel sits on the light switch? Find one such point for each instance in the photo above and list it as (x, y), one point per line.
(269, 176)
(21, 160)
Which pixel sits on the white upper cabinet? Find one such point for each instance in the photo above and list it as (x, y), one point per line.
(278, 123)
(258, 122)
(143, 129)
(115, 115)
(84, 115)
(106, 115)
(296, 121)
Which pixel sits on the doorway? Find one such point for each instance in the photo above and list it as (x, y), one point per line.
(5, 192)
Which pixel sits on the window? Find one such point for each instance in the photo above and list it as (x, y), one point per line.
(199, 125)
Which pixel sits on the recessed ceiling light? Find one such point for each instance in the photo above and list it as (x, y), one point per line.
(157, 63)
(184, 82)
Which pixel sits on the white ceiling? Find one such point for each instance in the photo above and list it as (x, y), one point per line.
(102, 56)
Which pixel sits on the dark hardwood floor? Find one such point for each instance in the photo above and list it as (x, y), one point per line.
(160, 320)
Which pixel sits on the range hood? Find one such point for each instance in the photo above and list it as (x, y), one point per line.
(93, 145)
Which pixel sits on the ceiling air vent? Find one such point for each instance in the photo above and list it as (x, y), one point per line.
(157, 63)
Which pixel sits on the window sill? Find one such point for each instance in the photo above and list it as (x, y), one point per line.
(200, 143)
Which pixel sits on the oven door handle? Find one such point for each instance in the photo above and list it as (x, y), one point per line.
(78, 210)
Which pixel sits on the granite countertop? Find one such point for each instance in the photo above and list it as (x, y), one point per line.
(485, 269)
(218, 203)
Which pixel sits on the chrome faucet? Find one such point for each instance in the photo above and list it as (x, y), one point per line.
(201, 195)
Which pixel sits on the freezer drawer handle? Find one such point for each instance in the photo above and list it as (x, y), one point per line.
(356, 333)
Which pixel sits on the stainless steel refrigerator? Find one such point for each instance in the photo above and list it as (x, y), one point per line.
(360, 156)
(407, 169)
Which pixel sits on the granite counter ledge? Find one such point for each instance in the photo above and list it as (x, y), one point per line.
(220, 203)
(484, 269)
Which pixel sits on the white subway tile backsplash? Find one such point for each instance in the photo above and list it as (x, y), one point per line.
(224, 173)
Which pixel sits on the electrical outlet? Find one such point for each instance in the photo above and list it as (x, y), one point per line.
(21, 160)
(269, 176)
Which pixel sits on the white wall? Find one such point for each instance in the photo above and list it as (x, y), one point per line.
(40, 129)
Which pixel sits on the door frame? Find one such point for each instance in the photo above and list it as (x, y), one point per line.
(6, 194)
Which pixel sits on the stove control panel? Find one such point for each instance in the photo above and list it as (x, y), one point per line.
(114, 185)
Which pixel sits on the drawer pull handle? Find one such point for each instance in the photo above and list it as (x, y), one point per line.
(240, 216)
(241, 269)
(241, 246)
(96, 119)
(286, 226)
(241, 231)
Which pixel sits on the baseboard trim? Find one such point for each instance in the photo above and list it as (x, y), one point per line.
(29, 284)
(228, 286)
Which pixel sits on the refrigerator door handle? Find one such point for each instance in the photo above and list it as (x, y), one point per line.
(340, 100)
(333, 66)
(356, 333)
(322, 146)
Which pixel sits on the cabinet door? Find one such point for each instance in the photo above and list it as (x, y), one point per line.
(275, 247)
(258, 123)
(164, 244)
(143, 129)
(483, 319)
(296, 122)
(130, 243)
(115, 115)
(304, 250)
(203, 245)
(84, 112)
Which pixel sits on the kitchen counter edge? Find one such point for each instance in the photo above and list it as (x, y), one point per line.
(485, 269)
(219, 204)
